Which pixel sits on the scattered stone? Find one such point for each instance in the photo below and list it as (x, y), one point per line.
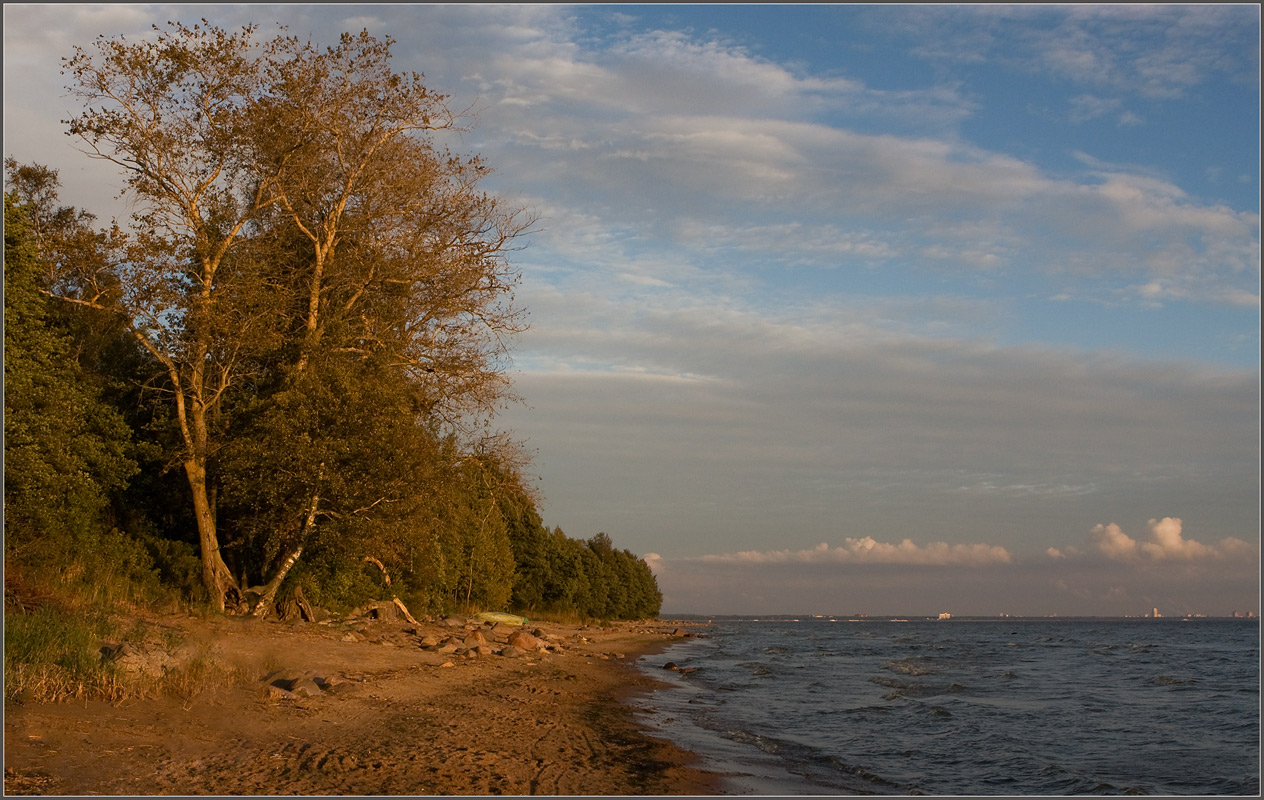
(447, 664)
(429, 641)
(672, 665)
(483, 650)
(509, 651)
(501, 629)
(352, 636)
(474, 639)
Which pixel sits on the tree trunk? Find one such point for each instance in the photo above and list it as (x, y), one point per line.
(215, 575)
(270, 591)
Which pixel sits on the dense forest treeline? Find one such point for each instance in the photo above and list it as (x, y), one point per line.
(282, 372)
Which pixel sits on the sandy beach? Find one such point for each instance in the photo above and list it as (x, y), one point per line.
(372, 713)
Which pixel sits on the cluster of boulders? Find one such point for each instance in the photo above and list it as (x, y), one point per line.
(291, 684)
(681, 633)
(471, 640)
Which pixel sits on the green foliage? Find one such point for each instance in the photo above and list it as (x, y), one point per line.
(338, 579)
(65, 450)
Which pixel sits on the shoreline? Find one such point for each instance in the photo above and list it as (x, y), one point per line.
(387, 717)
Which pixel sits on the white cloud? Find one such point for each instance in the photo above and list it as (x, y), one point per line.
(867, 550)
(641, 135)
(1163, 541)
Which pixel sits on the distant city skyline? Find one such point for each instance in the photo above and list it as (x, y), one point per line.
(910, 308)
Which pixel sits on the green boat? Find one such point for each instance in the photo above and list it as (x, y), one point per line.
(500, 616)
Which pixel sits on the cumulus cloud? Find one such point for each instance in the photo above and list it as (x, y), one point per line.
(867, 550)
(1163, 541)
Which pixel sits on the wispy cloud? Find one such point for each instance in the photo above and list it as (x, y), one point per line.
(1093, 45)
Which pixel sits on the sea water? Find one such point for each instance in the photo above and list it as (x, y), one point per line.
(968, 707)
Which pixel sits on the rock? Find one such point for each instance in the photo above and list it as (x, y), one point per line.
(296, 683)
(429, 641)
(449, 648)
(680, 632)
(110, 651)
(474, 639)
(509, 651)
(672, 665)
(483, 650)
(447, 664)
(524, 641)
(501, 629)
(453, 622)
(352, 636)
(307, 687)
(152, 660)
(540, 634)
(277, 693)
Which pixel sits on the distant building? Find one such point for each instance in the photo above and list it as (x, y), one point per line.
(945, 615)
(1154, 614)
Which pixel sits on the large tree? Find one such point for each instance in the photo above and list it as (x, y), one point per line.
(293, 210)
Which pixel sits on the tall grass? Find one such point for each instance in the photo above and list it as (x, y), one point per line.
(57, 620)
(51, 655)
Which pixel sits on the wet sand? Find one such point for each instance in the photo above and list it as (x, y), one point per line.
(391, 718)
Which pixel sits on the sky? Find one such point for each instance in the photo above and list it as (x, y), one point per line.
(848, 309)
